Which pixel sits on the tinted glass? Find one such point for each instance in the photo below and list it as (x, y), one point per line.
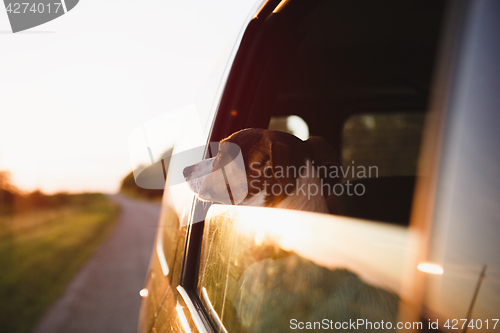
(383, 144)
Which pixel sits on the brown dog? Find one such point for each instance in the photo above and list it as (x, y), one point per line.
(258, 167)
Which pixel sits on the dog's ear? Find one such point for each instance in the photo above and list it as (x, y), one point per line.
(323, 154)
(285, 163)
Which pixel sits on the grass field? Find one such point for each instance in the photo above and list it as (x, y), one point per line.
(41, 250)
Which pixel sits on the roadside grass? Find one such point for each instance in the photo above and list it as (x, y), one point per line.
(41, 250)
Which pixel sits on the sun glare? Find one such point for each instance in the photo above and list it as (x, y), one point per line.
(370, 249)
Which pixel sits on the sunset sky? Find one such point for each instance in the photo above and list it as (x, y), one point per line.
(74, 89)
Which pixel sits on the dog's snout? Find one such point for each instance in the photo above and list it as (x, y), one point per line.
(188, 171)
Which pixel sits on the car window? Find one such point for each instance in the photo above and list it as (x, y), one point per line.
(379, 164)
(381, 144)
(266, 270)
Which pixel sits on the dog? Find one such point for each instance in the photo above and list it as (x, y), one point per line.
(276, 169)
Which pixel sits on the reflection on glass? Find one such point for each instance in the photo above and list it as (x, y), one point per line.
(262, 268)
(271, 292)
(213, 313)
(182, 318)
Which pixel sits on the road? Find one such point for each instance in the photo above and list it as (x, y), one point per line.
(104, 295)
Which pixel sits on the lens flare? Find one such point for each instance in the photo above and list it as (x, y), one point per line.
(430, 268)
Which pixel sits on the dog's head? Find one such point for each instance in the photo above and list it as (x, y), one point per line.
(271, 163)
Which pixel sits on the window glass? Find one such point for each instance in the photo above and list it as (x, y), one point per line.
(383, 144)
(379, 162)
(272, 270)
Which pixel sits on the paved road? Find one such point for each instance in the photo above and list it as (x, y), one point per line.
(104, 296)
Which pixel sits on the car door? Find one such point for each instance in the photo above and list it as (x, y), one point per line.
(362, 79)
(457, 283)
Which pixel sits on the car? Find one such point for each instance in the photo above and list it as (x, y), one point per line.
(408, 90)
